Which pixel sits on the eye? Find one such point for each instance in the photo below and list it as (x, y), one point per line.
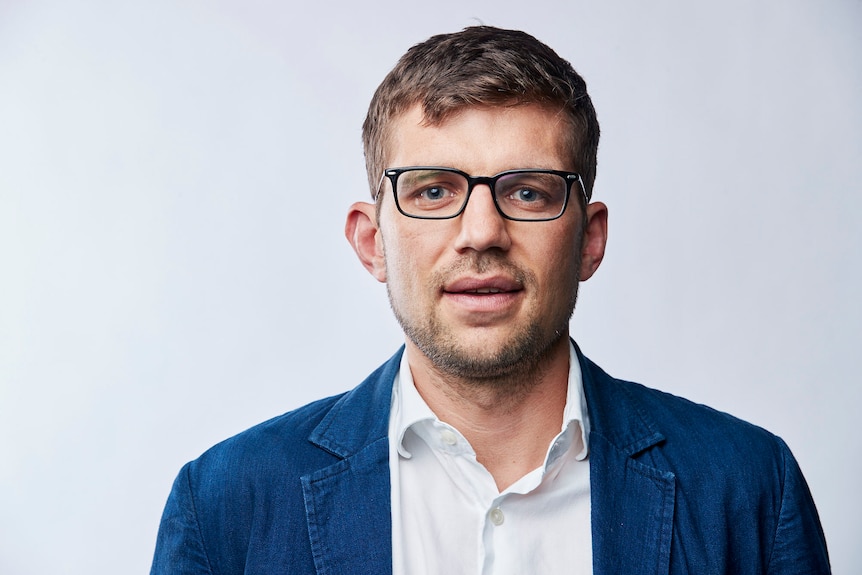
(432, 197)
(526, 195)
(434, 193)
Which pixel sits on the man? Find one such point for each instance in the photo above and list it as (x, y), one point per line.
(489, 444)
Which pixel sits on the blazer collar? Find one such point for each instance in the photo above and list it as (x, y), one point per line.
(615, 413)
(361, 416)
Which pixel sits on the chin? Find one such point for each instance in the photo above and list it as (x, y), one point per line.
(489, 356)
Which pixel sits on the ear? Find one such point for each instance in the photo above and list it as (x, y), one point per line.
(595, 239)
(363, 234)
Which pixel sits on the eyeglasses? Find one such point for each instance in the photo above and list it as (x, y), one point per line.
(432, 193)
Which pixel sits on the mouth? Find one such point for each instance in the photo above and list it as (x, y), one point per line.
(483, 286)
(483, 300)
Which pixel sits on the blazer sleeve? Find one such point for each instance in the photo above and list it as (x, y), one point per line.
(179, 547)
(800, 546)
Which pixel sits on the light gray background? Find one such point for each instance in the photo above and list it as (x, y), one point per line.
(173, 182)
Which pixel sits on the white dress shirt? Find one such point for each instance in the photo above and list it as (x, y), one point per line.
(448, 516)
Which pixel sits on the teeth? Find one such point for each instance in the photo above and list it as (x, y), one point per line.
(487, 290)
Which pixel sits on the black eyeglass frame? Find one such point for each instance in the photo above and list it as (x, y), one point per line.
(491, 181)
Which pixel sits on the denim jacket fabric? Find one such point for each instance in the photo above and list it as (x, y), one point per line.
(676, 487)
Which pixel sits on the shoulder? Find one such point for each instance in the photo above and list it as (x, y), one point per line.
(281, 441)
(625, 407)
(728, 475)
(250, 479)
(682, 420)
(250, 487)
(304, 439)
(681, 436)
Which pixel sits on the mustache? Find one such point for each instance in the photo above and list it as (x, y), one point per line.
(483, 263)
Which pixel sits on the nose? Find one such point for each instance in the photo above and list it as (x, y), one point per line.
(481, 225)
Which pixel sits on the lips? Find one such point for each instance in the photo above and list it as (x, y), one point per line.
(483, 286)
(482, 302)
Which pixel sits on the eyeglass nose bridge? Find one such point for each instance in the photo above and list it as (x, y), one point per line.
(472, 182)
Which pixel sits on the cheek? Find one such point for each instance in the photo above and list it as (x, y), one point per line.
(403, 262)
(559, 266)
(559, 277)
(413, 250)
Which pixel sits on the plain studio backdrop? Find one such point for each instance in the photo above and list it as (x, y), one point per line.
(174, 177)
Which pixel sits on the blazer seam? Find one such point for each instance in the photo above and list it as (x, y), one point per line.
(318, 554)
(784, 466)
(194, 511)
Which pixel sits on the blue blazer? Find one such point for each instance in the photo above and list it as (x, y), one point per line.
(675, 488)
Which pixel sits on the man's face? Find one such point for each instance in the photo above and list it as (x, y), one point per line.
(479, 295)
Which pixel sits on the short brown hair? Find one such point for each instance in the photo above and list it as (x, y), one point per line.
(481, 66)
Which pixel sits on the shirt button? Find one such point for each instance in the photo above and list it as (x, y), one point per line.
(448, 437)
(496, 516)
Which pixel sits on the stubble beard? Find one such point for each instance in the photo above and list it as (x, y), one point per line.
(514, 364)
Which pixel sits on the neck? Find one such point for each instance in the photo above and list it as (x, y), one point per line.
(509, 420)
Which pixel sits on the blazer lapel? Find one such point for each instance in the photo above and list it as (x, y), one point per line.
(632, 503)
(348, 509)
(632, 512)
(348, 504)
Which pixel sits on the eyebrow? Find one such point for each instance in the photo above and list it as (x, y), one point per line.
(420, 176)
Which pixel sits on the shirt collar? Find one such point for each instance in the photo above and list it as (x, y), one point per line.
(409, 409)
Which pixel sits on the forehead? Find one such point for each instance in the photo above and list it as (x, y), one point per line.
(482, 140)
